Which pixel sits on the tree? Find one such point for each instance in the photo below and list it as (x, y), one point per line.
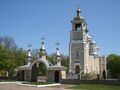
(113, 65)
(20, 56)
(65, 61)
(3, 58)
(10, 56)
(51, 58)
(8, 42)
(10, 59)
(42, 69)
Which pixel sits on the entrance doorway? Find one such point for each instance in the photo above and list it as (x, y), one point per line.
(77, 69)
(34, 73)
(39, 72)
(56, 77)
(22, 78)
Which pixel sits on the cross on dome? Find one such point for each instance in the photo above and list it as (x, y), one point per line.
(43, 38)
(57, 49)
(78, 12)
(29, 45)
(29, 52)
(57, 44)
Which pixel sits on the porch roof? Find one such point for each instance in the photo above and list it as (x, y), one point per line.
(25, 67)
(57, 67)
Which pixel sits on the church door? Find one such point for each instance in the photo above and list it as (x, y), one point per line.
(39, 72)
(34, 73)
(22, 75)
(56, 77)
(77, 69)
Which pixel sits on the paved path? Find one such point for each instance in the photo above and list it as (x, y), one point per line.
(17, 87)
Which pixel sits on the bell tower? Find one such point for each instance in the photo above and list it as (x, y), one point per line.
(78, 46)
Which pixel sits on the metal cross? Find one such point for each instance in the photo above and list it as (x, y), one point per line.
(43, 38)
(29, 45)
(57, 43)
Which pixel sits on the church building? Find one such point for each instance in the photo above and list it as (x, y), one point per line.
(84, 58)
(83, 50)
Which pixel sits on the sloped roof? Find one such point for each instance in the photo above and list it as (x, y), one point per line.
(57, 67)
(25, 67)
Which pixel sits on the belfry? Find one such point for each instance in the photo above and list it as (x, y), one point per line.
(83, 50)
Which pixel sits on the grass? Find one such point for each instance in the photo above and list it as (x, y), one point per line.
(38, 83)
(95, 87)
(7, 80)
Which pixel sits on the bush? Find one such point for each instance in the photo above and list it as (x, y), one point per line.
(113, 65)
(90, 75)
(38, 83)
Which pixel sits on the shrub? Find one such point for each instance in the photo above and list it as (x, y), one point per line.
(91, 75)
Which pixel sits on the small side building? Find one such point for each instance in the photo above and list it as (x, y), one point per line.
(54, 73)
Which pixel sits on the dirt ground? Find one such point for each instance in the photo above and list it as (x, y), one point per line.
(17, 87)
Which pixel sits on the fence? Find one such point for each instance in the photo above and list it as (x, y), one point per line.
(8, 78)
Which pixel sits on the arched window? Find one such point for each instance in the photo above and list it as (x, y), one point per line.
(78, 27)
(77, 54)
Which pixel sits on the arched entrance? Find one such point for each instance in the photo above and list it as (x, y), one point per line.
(56, 76)
(20, 75)
(104, 74)
(39, 71)
(34, 73)
(77, 69)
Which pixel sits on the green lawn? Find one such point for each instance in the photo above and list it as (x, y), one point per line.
(95, 87)
(7, 80)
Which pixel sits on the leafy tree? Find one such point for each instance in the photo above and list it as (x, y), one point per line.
(65, 61)
(41, 70)
(51, 58)
(113, 65)
(17, 58)
(8, 42)
(9, 60)
(3, 58)
(10, 56)
(20, 56)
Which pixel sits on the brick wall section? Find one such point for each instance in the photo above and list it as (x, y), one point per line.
(77, 81)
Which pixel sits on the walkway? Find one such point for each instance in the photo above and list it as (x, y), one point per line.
(17, 87)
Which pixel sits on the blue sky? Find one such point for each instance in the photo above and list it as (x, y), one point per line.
(29, 20)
